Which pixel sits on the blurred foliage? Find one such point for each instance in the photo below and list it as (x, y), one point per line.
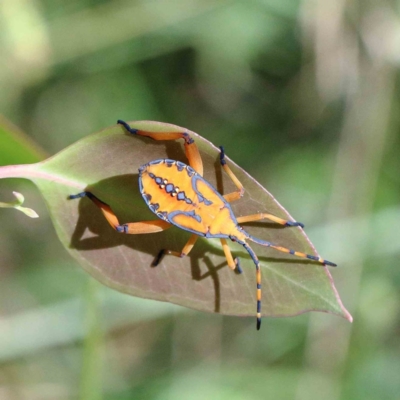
(303, 95)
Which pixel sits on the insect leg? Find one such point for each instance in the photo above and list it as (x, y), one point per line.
(185, 251)
(258, 217)
(239, 193)
(289, 251)
(191, 149)
(234, 264)
(132, 227)
(240, 189)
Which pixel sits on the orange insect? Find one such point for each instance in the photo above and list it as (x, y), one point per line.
(179, 195)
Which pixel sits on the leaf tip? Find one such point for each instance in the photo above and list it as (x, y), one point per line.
(20, 198)
(348, 316)
(28, 211)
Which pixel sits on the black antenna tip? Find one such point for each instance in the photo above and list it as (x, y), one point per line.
(331, 264)
(295, 223)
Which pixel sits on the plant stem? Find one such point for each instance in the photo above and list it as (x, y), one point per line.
(15, 171)
(91, 383)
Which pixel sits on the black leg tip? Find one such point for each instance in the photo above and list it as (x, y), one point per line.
(258, 323)
(77, 196)
(222, 155)
(331, 264)
(294, 223)
(238, 268)
(127, 127)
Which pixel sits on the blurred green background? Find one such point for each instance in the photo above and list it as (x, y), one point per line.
(304, 96)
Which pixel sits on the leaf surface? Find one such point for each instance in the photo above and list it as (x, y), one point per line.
(107, 163)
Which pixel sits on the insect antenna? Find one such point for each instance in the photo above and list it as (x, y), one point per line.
(258, 278)
(289, 251)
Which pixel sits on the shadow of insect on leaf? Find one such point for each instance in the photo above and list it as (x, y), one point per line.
(121, 257)
(93, 233)
(124, 261)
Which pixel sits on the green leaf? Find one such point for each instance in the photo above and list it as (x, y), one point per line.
(107, 163)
